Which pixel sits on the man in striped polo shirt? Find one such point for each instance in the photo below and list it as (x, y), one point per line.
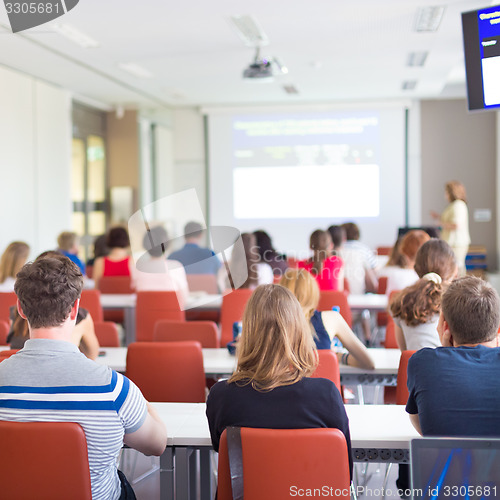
(50, 380)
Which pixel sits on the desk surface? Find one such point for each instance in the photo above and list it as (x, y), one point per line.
(371, 426)
(220, 362)
(196, 300)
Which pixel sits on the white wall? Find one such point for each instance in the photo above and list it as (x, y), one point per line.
(35, 161)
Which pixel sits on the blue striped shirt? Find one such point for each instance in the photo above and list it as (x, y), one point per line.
(50, 380)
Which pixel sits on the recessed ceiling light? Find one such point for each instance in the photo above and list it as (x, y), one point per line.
(249, 30)
(417, 58)
(75, 35)
(409, 85)
(429, 18)
(136, 70)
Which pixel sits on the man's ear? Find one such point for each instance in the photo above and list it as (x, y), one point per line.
(447, 339)
(74, 310)
(20, 310)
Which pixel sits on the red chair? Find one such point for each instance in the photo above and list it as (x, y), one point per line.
(402, 393)
(54, 461)
(204, 332)
(107, 334)
(382, 287)
(233, 306)
(202, 282)
(152, 307)
(7, 300)
(167, 372)
(119, 285)
(390, 335)
(330, 298)
(272, 462)
(384, 250)
(91, 300)
(328, 367)
(7, 354)
(4, 331)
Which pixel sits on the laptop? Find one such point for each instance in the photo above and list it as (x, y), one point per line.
(447, 468)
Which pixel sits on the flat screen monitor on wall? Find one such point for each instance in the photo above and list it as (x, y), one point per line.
(481, 35)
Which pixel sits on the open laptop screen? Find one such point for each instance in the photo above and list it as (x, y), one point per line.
(448, 468)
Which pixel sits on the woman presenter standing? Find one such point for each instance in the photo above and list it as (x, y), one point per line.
(455, 222)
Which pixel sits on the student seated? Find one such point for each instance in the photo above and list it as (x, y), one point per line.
(328, 269)
(271, 387)
(50, 380)
(328, 328)
(13, 258)
(67, 244)
(454, 388)
(153, 272)
(415, 309)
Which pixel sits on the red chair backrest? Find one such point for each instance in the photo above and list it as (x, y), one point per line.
(233, 306)
(330, 298)
(390, 335)
(384, 250)
(4, 331)
(382, 284)
(54, 461)
(115, 284)
(152, 307)
(204, 332)
(107, 334)
(7, 354)
(91, 300)
(328, 367)
(202, 282)
(167, 372)
(7, 300)
(275, 459)
(402, 393)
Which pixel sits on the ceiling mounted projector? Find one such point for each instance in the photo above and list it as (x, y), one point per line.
(263, 69)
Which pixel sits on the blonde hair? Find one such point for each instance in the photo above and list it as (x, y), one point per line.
(305, 288)
(66, 240)
(456, 191)
(13, 258)
(275, 347)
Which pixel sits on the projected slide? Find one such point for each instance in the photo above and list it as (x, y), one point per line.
(310, 166)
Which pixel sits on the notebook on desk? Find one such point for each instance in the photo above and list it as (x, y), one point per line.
(446, 468)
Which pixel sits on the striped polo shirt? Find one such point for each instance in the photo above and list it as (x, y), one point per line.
(51, 380)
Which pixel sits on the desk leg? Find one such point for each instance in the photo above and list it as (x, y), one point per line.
(185, 479)
(167, 474)
(206, 474)
(129, 317)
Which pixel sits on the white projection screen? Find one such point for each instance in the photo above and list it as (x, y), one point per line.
(292, 172)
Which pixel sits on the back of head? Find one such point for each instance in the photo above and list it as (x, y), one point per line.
(471, 307)
(100, 246)
(193, 230)
(264, 245)
(351, 231)
(47, 289)
(337, 233)
(13, 258)
(396, 258)
(251, 257)
(305, 288)
(156, 241)
(276, 347)
(411, 242)
(320, 243)
(66, 240)
(436, 256)
(456, 191)
(118, 238)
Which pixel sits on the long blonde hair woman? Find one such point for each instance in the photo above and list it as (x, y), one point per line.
(328, 328)
(13, 258)
(270, 387)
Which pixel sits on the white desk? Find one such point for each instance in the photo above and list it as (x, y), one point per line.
(379, 433)
(218, 362)
(207, 302)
